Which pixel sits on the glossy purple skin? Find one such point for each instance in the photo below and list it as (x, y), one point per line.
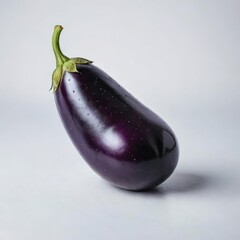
(121, 139)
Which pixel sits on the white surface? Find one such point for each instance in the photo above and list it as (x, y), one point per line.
(180, 58)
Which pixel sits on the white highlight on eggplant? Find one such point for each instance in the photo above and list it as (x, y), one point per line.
(113, 140)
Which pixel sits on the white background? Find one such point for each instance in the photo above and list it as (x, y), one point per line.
(181, 59)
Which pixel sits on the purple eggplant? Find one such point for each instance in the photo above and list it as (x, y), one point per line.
(121, 139)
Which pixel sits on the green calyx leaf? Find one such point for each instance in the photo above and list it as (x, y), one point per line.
(63, 63)
(68, 66)
(81, 60)
(56, 78)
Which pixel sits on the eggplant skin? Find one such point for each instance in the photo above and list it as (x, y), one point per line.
(121, 139)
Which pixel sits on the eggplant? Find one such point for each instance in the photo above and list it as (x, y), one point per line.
(121, 139)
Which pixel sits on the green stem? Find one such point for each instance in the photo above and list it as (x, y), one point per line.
(60, 57)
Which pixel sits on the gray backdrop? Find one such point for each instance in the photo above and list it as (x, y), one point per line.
(181, 59)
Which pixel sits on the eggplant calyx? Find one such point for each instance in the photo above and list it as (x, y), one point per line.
(63, 63)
